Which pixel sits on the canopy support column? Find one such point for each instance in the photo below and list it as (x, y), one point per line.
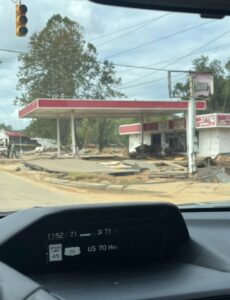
(58, 138)
(73, 135)
(163, 144)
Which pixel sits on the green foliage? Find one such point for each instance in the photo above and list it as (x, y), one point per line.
(6, 127)
(220, 102)
(60, 64)
(100, 131)
(42, 128)
(181, 90)
(226, 91)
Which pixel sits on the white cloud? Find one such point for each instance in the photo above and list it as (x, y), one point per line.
(9, 115)
(82, 12)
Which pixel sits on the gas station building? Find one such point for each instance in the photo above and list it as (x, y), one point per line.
(213, 132)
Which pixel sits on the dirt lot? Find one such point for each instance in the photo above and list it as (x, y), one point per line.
(22, 188)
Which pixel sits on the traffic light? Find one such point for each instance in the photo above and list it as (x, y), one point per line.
(21, 20)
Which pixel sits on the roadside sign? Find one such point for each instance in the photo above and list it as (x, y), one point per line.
(203, 85)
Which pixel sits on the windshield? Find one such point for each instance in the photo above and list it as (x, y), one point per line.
(109, 104)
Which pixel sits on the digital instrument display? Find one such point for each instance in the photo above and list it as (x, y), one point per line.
(82, 237)
(114, 242)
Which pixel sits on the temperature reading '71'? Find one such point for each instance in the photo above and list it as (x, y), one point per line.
(104, 231)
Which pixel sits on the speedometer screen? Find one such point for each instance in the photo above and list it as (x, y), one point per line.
(114, 242)
(80, 238)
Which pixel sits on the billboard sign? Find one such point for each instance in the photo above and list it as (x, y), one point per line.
(223, 119)
(203, 85)
(213, 120)
(205, 121)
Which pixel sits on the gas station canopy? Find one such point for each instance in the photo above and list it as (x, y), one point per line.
(64, 108)
(72, 109)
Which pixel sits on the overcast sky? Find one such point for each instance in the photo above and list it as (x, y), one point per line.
(132, 28)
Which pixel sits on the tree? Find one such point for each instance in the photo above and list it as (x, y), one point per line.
(181, 90)
(60, 64)
(42, 128)
(202, 63)
(226, 91)
(6, 127)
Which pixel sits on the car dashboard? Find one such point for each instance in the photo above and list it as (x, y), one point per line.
(115, 251)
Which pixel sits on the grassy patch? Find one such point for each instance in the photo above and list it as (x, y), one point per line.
(82, 176)
(107, 179)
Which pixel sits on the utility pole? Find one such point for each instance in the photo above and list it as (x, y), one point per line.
(142, 136)
(191, 127)
(205, 79)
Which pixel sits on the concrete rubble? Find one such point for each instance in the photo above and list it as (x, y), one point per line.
(209, 170)
(213, 174)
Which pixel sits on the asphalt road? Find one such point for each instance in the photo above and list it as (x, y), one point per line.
(20, 192)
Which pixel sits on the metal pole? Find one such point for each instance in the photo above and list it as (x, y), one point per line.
(163, 143)
(191, 128)
(187, 130)
(142, 135)
(58, 138)
(169, 84)
(73, 135)
(20, 146)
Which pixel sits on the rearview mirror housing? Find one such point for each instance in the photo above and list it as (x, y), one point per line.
(207, 9)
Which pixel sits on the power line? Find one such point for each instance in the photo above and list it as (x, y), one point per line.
(145, 68)
(206, 50)
(160, 39)
(154, 81)
(143, 83)
(135, 29)
(136, 25)
(126, 28)
(13, 51)
(148, 82)
(149, 66)
(171, 59)
(181, 57)
(201, 47)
